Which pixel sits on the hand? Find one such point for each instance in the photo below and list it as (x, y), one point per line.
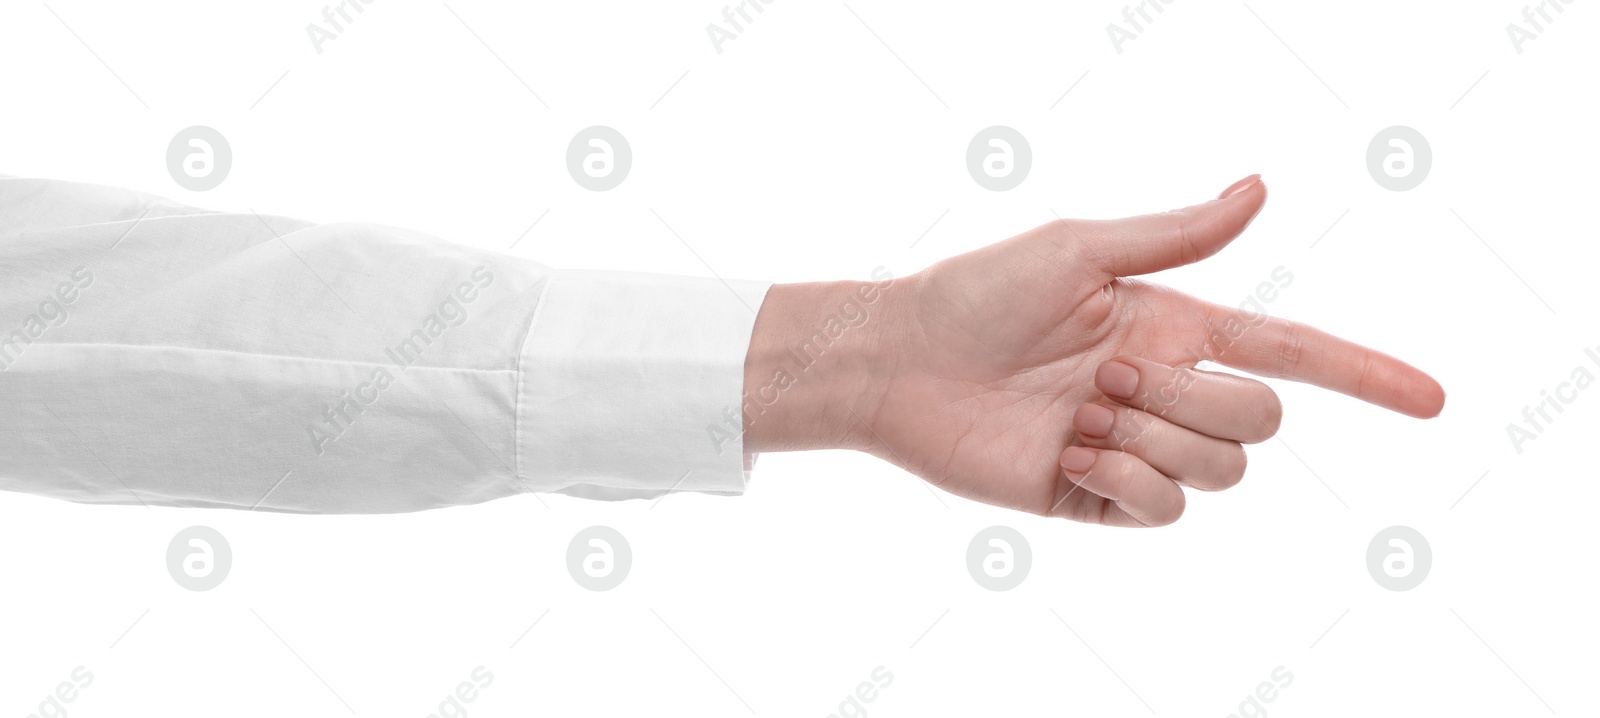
(1033, 374)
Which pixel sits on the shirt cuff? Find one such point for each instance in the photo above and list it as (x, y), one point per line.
(630, 385)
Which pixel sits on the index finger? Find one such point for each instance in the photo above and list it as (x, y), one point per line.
(1278, 348)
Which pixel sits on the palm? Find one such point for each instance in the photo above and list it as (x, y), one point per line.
(983, 405)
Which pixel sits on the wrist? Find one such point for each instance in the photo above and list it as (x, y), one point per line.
(820, 356)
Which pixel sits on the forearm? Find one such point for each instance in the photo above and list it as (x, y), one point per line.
(817, 364)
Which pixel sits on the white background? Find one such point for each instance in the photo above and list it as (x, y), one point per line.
(806, 150)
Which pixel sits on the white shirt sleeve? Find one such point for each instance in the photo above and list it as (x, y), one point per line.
(152, 353)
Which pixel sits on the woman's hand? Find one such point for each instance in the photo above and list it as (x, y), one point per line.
(1031, 374)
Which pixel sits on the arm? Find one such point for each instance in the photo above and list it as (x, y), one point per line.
(160, 354)
(157, 354)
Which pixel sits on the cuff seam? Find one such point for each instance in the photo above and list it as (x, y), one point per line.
(516, 411)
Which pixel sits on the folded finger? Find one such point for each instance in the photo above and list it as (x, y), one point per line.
(1189, 457)
(1147, 496)
(1221, 405)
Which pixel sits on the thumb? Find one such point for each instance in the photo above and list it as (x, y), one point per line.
(1153, 242)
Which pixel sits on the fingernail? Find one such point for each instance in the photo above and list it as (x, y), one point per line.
(1094, 420)
(1077, 459)
(1240, 186)
(1117, 379)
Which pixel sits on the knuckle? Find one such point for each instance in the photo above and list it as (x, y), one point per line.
(1163, 395)
(1361, 378)
(1131, 430)
(1119, 474)
(1189, 250)
(1121, 470)
(1290, 346)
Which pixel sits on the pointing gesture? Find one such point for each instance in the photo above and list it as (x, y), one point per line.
(1035, 374)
